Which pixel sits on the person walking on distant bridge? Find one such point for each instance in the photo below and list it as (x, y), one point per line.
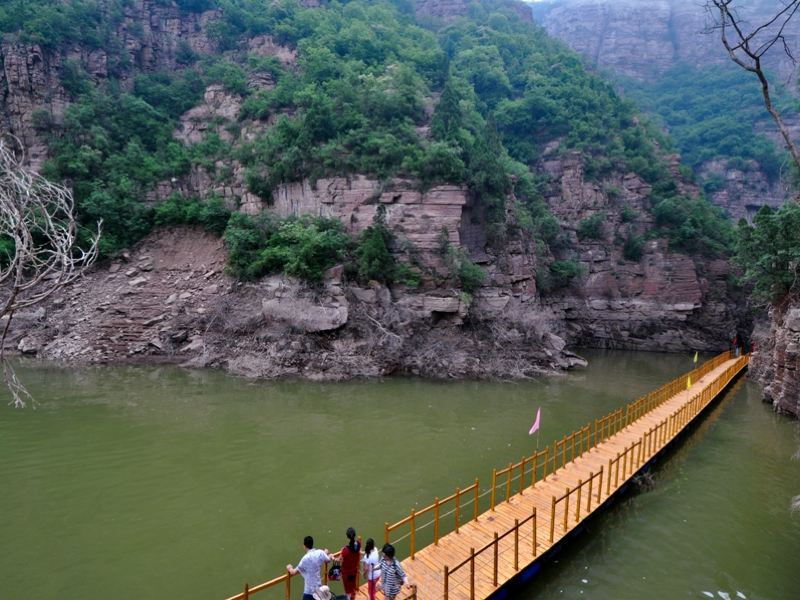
(350, 556)
(309, 567)
(393, 577)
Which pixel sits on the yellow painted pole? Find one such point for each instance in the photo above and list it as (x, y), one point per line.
(494, 487)
(458, 507)
(413, 524)
(436, 521)
(472, 574)
(494, 570)
(475, 501)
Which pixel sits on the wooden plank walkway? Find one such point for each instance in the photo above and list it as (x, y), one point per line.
(584, 470)
(621, 455)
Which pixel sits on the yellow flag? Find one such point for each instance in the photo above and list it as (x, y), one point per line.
(695, 358)
(688, 382)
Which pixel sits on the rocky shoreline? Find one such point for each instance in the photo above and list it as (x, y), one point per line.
(169, 300)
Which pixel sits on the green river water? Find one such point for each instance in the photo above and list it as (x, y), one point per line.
(153, 483)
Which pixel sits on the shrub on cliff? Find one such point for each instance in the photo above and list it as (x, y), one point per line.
(304, 247)
(769, 251)
(558, 275)
(211, 214)
(373, 258)
(592, 227)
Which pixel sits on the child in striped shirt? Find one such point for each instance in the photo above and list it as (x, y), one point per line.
(393, 577)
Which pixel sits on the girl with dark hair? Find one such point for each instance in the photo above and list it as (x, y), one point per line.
(372, 567)
(350, 557)
(393, 577)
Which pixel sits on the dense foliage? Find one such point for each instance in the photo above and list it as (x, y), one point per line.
(475, 103)
(710, 113)
(769, 251)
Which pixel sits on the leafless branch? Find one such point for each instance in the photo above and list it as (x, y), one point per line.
(38, 238)
(746, 48)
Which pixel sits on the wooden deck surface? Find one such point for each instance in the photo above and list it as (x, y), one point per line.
(426, 569)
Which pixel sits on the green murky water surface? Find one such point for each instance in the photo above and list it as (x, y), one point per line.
(152, 483)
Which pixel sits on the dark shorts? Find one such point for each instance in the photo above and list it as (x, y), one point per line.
(308, 597)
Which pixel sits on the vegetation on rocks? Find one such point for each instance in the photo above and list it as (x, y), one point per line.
(476, 103)
(769, 251)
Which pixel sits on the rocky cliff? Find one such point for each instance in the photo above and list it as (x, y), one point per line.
(148, 37)
(643, 39)
(168, 298)
(776, 357)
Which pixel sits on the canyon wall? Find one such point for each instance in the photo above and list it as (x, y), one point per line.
(169, 298)
(642, 39)
(776, 357)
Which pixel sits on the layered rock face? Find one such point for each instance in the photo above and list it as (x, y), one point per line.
(743, 193)
(644, 38)
(776, 357)
(150, 35)
(664, 301)
(168, 299)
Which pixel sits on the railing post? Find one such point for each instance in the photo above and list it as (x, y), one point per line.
(472, 574)
(494, 486)
(552, 519)
(413, 523)
(589, 495)
(616, 473)
(522, 475)
(446, 582)
(494, 570)
(436, 521)
(566, 510)
(246, 591)
(385, 532)
(546, 460)
(475, 501)
(508, 483)
(288, 590)
(516, 544)
(458, 507)
(600, 486)
(608, 481)
(578, 503)
(533, 535)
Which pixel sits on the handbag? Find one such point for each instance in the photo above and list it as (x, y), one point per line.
(335, 572)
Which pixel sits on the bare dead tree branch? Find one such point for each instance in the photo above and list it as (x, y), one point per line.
(38, 237)
(747, 48)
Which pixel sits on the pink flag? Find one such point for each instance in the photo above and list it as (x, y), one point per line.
(535, 426)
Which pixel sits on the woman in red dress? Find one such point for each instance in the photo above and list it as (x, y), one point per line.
(351, 556)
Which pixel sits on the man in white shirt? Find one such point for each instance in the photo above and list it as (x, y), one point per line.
(309, 567)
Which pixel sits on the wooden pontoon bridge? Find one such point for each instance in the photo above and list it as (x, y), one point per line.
(535, 504)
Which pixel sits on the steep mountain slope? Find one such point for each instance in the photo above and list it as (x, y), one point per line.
(664, 61)
(471, 198)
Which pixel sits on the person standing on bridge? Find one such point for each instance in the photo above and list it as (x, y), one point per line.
(393, 577)
(309, 567)
(372, 567)
(350, 555)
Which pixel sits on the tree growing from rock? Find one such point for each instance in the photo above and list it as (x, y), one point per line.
(38, 251)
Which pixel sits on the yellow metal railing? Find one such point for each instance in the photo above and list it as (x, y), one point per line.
(543, 463)
(495, 546)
